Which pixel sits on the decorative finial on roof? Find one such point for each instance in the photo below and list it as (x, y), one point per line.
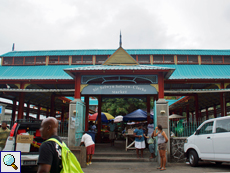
(13, 47)
(120, 40)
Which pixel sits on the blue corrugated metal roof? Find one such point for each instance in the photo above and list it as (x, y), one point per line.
(57, 71)
(34, 72)
(111, 51)
(199, 71)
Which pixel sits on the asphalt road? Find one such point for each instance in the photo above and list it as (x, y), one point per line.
(143, 167)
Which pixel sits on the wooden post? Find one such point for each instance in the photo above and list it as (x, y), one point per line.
(86, 112)
(214, 108)
(161, 86)
(77, 93)
(38, 112)
(28, 111)
(21, 102)
(148, 108)
(222, 101)
(192, 118)
(47, 112)
(197, 107)
(99, 120)
(207, 114)
(52, 104)
(62, 113)
(13, 112)
(187, 114)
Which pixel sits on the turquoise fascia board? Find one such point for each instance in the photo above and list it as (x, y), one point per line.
(225, 52)
(170, 102)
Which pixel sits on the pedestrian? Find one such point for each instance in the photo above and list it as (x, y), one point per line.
(162, 140)
(50, 152)
(139, 135)
(150, 140)
(90, 147)
(112, 127)
(4, 133)
(94, 128)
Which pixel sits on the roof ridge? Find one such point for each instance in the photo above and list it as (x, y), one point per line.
(60, 50)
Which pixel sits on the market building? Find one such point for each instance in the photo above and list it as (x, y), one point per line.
(46, 79)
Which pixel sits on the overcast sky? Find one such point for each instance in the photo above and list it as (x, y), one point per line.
(96, 24)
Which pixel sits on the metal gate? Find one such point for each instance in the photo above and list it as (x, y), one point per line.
(79, 122)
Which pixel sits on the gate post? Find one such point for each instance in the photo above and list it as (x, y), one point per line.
(76, 122)
(162, 112)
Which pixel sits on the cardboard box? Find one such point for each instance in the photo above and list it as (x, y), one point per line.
(130, 131)
(25, 139)
(23, 143)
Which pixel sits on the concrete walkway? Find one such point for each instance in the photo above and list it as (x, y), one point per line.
(116, 160)
(143, 167)
(104, 152)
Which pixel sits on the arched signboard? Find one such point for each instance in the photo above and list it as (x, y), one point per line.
(118, 89)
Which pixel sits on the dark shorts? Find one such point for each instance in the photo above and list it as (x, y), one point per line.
(162, 146)
(90, 149)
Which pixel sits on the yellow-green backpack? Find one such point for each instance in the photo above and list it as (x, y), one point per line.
(69, 161)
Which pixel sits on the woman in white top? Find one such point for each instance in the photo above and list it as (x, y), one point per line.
(161, 141)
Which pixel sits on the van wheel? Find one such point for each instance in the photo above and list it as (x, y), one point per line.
(218, 163)
(193, 158)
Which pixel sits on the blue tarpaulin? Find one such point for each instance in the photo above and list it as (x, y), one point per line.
(138, 115)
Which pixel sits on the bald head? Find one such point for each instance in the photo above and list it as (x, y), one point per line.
(49, 127)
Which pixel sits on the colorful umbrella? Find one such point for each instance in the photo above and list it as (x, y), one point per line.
(104, 117)
(118, 119)
(175, 116)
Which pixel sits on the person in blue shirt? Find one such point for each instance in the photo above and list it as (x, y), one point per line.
(112, 127)
(139, 135)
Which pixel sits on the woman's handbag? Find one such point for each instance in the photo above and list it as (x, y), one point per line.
(151, 140)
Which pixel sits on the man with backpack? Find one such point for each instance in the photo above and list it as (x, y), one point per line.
(54, 155)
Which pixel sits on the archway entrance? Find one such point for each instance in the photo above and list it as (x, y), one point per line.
(120, 76)
(141, 91)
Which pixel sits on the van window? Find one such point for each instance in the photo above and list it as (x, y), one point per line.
(206, 128)
(223, 126)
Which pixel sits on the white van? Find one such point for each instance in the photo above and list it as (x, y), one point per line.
(210, 142)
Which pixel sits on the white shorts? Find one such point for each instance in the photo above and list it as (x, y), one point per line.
(140, 145)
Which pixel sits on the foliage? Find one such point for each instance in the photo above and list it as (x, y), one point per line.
(122, 106)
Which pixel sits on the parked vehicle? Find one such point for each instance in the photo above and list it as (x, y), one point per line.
(29, 151)
(210, 142)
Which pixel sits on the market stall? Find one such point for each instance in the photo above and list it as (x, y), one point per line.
(139, 116)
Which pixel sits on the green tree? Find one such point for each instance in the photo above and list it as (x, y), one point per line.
(122, 106)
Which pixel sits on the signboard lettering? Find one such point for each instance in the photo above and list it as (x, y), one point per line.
(119, 89)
